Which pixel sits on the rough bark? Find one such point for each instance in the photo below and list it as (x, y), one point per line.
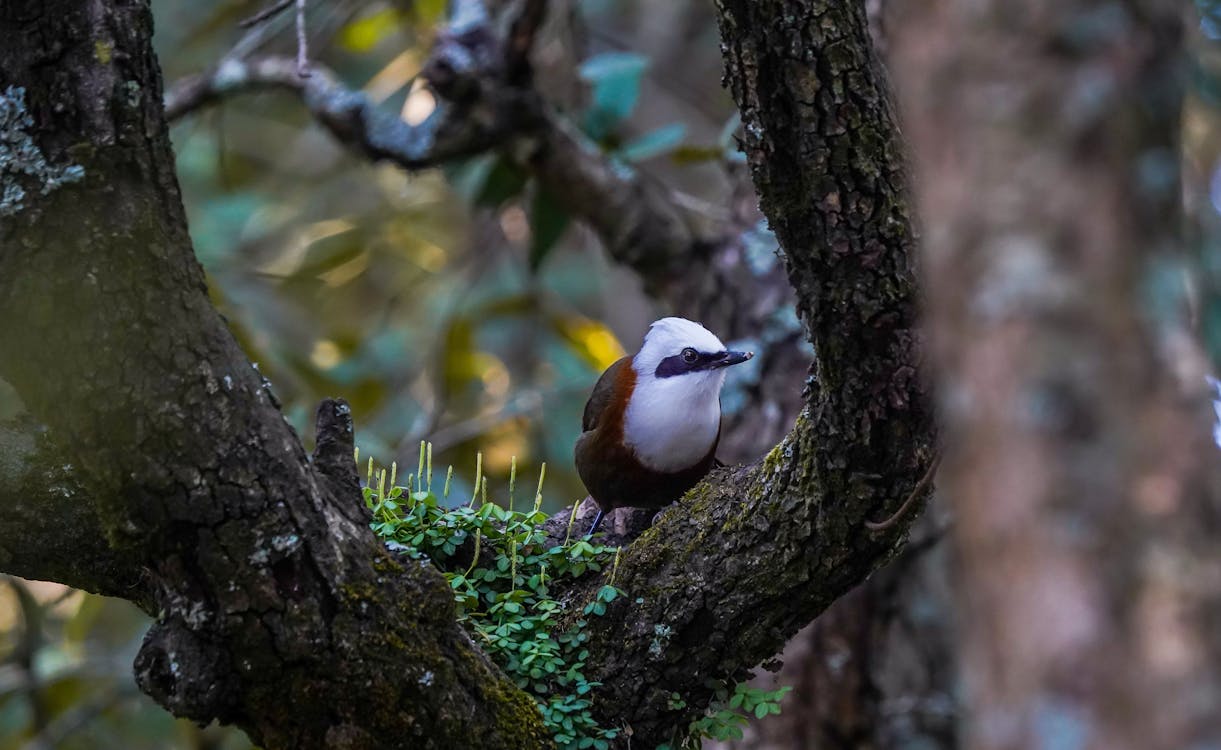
(1085, 489)
(279, 610)
(50, 527)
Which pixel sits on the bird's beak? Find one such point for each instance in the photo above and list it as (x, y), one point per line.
(733, 358)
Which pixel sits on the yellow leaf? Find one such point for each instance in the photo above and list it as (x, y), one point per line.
(363, 34)
(593, 341)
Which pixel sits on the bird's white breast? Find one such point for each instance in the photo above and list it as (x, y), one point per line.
(671, 423)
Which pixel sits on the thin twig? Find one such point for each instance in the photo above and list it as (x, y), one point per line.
(302, 42)
(265, 14)
(303, 69)
(911, 499)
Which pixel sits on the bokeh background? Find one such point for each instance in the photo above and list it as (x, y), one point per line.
(455, 305)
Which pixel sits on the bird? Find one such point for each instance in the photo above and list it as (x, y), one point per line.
(652, 423)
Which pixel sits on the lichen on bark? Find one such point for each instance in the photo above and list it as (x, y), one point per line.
(22, 163)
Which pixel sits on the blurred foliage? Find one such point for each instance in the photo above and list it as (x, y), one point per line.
(458, 304)
(1202, 176)
(65, 678)
(461, 305)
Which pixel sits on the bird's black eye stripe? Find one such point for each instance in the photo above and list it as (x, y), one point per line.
(688, 360)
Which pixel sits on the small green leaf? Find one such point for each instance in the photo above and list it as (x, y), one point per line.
(696, 154)
(654, 143)
(503, 182)
(615, 78)
(548, 220)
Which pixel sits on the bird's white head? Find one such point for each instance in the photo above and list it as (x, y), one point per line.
(674, 414)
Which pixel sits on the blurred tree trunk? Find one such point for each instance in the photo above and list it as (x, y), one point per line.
(844, 696)
(1084, 487)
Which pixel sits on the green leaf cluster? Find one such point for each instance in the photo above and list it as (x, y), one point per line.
(727, 715)
(504, 593)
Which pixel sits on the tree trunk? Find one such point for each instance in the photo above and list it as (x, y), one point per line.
(278, 610)
(1079, 469)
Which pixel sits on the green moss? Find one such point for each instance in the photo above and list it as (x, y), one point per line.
(354, 593)
(387, 565)
(394, 642)
(520, 723)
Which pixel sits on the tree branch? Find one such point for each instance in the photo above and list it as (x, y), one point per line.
(844, 225)
(522, 30)
(347, 114)
(639, 223)
(50, 529)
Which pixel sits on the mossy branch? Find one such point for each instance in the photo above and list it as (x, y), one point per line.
(50, 529)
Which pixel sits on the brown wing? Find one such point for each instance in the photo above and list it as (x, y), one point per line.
(609, 469)
(601, 396)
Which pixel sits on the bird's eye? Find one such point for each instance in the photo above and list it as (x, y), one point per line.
(690, 355)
